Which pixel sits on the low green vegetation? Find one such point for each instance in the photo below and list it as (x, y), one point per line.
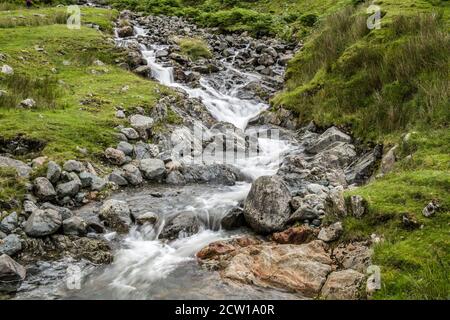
(12, 189)
(74, 79)
(194, 48)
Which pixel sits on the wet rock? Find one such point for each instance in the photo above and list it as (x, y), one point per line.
(58, 246)
(21, 168)
(44, 189)
(148, 217)
(126, 148)
(42, 223)
(116, 215)
(132, 174)
(10, 245)
(11, 274)
(214, 173)
(117, 176)
(126, 31)
(130, 133)
(53, 172)
(73, 166)
(233, 219)
(331, 233)
(9, 223)
(343, 285)
(115, 156)
(431, 209)
(327, 138)
(152, 168)
(295, 235)
(75, 226)
(186, 224)
(267, 207)
(357, 206)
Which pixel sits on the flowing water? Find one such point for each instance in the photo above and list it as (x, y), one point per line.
(145, 267)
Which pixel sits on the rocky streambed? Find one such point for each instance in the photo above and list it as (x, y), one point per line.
(177, 217)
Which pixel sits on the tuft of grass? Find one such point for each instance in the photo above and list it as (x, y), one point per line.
(12, 189)
(375, 81)
(194, 48)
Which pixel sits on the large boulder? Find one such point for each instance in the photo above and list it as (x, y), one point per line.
(142, 124)
(267, 206)
(302, 269)
(11, 274)
(44, 189)
(152, 168)
(42, 223)
(343, 285)
(116, 215)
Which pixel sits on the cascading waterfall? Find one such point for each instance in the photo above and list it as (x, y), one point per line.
(145, 267)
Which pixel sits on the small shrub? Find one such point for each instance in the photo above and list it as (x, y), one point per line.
(194, 48)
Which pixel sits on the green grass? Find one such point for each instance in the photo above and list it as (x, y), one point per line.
(12, 189)
(75, 105)
(194, 48)
(414, 263)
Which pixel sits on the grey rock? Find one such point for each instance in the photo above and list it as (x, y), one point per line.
(152, 168)
(343, 285)
(373, 283)
(233, 219)
(115, 156)
(362, 169)
(22, 169)
(10, 245)
(44, 189)
(29, 207)
(148, 217)
(130, 133)
(431, 209)
(327, 138)
(331, 233)
(175, 178)
(132, 174)
(117, 176)
(144, 150)
(89, 180)
(11, 274)
(53, 172)
(9, 223)
(75, 226)
(214, 173)
(141, 124)
(42, 223)
(6, 69)
(185, 224)
(73, 166)
(70, 188)
(28, 103)
(65, 213)
(120, 114)
(143, 71)
(388, 160)
(267, 206)
(116, 215)
(125, 147)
